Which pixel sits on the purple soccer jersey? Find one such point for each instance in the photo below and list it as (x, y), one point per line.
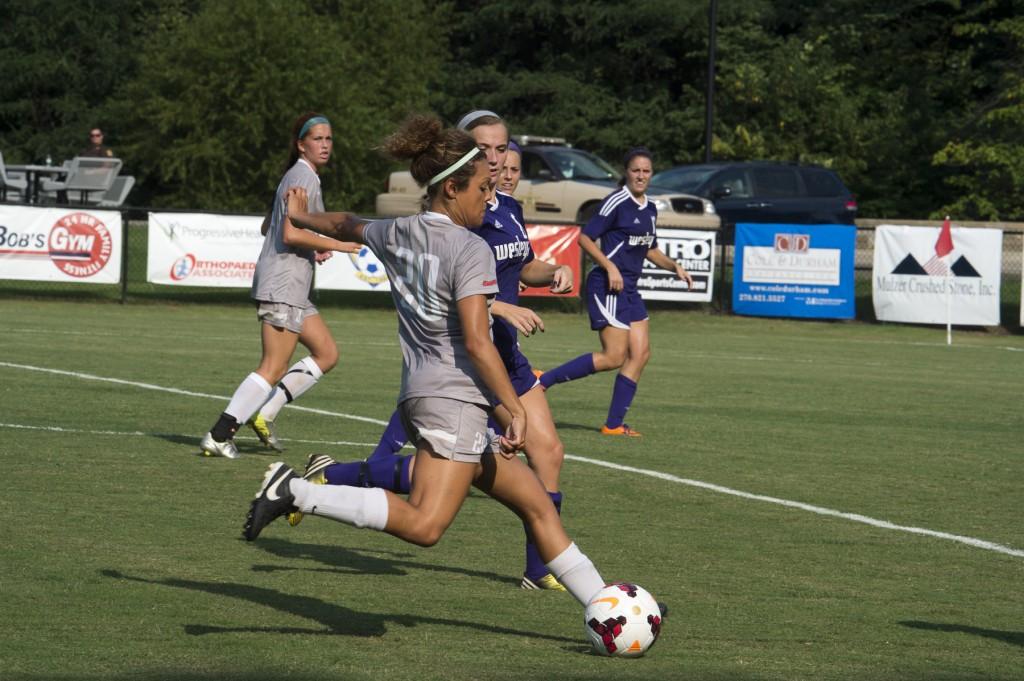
(504, 230)
(626, 230)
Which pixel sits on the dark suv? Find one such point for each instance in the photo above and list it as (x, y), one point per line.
(765, 191)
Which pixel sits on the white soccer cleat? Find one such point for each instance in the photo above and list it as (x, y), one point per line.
(211, 447)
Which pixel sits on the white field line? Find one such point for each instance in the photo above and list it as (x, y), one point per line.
(819, 510)
(177, 391)
(855, 517)
(139, 433)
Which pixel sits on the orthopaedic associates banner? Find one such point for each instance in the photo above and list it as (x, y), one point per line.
(201, 249)
(695, 251)
(60, 244)
(904, 291)
(794, 270)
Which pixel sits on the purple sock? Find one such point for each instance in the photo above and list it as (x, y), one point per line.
(580, 367)
(393, 439)
(535, 567)
(622, 397)
(391, 473)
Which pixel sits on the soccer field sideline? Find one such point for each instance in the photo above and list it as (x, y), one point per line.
(818, 510)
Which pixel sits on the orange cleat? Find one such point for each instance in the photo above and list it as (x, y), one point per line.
(621, 430)
(538, 373)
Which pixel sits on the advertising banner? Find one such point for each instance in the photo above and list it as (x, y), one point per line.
(909, 281)
(58, 244)
(695, 251)
(556, 244)
(794, 270)
(198, 249)
(360, 271)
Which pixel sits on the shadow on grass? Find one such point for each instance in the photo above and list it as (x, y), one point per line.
(1015, 638)
(340, 559)
(334, 619)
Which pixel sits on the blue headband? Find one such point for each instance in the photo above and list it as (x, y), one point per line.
(472, 116)
(512, 146)
(315, 120)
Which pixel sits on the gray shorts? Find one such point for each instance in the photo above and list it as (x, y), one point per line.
(283, 315)
(454, 429)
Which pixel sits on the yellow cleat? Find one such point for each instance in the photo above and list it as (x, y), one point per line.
(545, 583)
(264, 430)
(314, 473)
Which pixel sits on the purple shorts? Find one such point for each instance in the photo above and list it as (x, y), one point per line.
(520, 372)
(612, 309)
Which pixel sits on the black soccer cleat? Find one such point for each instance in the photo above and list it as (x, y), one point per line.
(274, 499)
(663, 607)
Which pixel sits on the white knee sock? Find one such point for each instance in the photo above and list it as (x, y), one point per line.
(250, 394)
(355, 506)
(576, 573)
(301, 377)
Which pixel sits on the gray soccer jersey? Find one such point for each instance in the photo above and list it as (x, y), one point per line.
(285, 274)
(432, 264)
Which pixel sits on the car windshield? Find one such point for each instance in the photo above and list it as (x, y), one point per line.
(573, 164)
(685, 180)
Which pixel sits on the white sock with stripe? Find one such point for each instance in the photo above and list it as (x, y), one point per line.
(301, 377)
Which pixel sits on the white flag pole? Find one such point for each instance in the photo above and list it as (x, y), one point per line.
(949, 305)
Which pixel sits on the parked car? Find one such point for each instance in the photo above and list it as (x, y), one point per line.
(765, 191)
(560, 183)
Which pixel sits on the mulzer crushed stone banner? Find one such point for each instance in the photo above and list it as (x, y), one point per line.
(794, 270)
(60, 244)
(908, 285)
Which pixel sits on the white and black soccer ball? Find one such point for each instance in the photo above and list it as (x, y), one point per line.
(622, 620)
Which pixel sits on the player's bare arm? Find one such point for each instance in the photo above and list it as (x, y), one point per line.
(540, 273)
(656, 256)
(476, 330)
(345, 227)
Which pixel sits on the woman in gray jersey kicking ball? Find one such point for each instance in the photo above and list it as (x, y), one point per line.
(442, 276)
(281, 288)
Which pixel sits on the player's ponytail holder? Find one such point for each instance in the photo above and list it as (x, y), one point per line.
(453, 167)
(315, 120)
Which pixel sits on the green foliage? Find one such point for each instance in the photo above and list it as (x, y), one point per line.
(987, 153)
(61, 60)
(208, 118)
(917, 104)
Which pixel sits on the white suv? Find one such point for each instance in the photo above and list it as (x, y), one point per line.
(561, 184)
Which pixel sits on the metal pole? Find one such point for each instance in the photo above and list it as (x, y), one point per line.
(125, 238)
(709, 98)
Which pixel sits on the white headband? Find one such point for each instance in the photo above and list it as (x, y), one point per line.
(453, 167)
(474, 115)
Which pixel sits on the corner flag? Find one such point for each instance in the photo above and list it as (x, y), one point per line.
(936, 265)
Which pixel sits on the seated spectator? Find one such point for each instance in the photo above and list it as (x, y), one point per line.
(96, 146)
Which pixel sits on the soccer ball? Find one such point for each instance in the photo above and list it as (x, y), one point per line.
(623, 620)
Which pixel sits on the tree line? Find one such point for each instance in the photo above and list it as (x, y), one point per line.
(919, 105)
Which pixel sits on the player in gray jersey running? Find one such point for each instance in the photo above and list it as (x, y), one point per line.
(442, 278)
(281, 287)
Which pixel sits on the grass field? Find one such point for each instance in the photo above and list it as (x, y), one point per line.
(813, 500)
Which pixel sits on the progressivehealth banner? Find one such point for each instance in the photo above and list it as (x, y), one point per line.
(199, 249)
(904, 291)
(60, 244)
(695, 251)
(794, 270)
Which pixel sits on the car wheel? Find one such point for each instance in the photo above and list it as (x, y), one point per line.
(587, 211)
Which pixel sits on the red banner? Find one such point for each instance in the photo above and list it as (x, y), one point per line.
(556, 244)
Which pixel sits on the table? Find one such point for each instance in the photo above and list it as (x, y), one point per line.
(33, 174)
